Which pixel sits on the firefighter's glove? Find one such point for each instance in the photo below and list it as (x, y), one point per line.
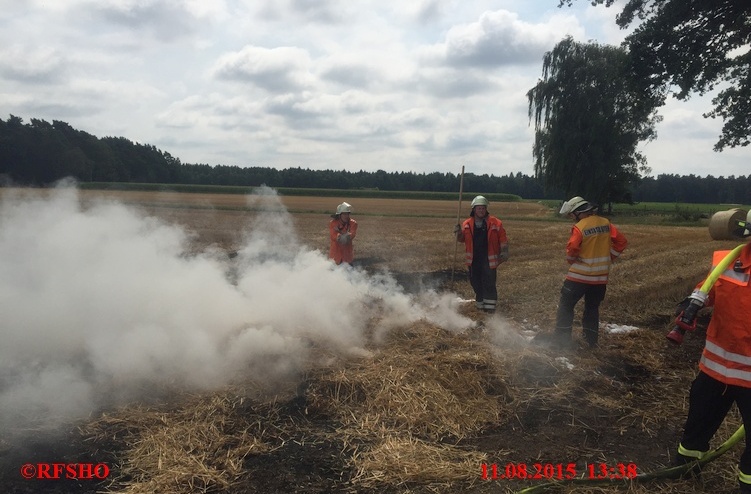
(344, 238)
(503, 255)
(458, 233)
(686, 320)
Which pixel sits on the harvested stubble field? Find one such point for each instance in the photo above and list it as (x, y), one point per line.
(425, 407)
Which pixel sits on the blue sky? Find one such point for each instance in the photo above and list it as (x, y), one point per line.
(424, 85)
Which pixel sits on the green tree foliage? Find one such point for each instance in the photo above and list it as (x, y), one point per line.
(695, 46)
(40, 153)
(589, 119)
(693, 189)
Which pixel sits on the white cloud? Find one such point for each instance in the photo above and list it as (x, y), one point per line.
(500, 38)
(165, 20)
(320, 11)
(282, 69)
(30, 65)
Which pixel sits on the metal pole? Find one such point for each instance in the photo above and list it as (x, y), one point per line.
(458, 213)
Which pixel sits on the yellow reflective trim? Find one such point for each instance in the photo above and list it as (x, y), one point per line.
(583, 277)
(744, 477)
(595, 260)
(603, 268)
(691, 453)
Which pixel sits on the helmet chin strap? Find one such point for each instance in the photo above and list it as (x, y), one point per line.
(577, 215)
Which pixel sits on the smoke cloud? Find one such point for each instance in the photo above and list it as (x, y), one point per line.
(102, 304)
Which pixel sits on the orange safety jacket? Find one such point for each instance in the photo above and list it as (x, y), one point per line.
(593, 245)
(727, 352)
(342, 252)
(496, 238)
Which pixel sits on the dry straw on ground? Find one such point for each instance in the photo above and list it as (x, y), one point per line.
(198, 447)
(424, 381)
(399, 414)
(403, 410)
(397, 460)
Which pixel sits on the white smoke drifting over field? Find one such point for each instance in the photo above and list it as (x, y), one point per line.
(102, 303)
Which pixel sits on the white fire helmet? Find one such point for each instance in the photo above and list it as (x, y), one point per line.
(575, 203)
(479, 201)
(344, 208)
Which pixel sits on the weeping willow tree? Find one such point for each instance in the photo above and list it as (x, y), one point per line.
(590, 115)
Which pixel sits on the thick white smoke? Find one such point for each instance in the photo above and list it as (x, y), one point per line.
(102, 303)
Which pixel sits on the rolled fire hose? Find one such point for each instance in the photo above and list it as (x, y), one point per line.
(665, 473)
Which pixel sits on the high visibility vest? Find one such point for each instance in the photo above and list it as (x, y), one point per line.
(727, 352)
(593, 244)
(496, 237)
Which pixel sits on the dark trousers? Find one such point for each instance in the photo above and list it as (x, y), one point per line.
(483, 280)
(708, 404)
(571, 293)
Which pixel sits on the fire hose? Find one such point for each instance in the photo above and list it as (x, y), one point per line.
(665, 473)
(686, 320)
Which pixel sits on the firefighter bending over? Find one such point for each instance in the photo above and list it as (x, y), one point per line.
(486, 247)
(593, 245)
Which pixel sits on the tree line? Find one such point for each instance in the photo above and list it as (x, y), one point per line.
(40, 153)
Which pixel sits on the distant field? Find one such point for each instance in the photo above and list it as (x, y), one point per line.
(233, 197)
(289, 191)
(406, 206)
(663, 212)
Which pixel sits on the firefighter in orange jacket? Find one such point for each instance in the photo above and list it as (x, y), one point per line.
(593, 245)
(342, 231)
(486, 247)
(725, 366)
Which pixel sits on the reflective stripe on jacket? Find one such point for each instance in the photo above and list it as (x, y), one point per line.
(496, 237)
(593, 244)
(727, 352)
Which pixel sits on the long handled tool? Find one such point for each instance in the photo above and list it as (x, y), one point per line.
(458, 212)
